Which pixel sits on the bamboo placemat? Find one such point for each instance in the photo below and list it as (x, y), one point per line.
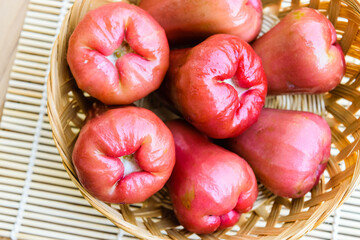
(37, 198)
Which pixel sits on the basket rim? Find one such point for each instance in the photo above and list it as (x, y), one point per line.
(312, 222)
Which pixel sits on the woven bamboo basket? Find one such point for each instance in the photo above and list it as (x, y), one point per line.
(273, 217)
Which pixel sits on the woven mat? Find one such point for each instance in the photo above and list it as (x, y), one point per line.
(37, 199)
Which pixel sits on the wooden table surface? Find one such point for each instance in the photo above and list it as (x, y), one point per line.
(12, 14)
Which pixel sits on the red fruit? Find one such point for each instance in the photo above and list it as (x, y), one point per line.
(193, 21)
(288, 150)
(118, 53)
(219, 86)
(210, 187)
(300, 54)
(125, 155)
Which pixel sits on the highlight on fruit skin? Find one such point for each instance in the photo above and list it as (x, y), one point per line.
(301, 54)
(210, 186)
(118, 53)
(288, 150)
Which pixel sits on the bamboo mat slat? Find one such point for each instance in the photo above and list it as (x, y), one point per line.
(37, 198)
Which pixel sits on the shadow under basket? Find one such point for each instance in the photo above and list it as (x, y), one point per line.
(273, 217)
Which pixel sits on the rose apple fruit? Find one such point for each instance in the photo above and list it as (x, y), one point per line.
(193, 21)
(301, 55)
(210, 186)
(288, 150)
(219, 86)
(118, 53)
(124, 155)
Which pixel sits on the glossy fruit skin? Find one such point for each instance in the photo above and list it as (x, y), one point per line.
(188, 21)
(194, 84)
(120, 132)
(288, 150)
(210, 186)
(134, 75)
(301, 55)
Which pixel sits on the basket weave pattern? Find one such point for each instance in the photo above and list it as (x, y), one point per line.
(277, 217)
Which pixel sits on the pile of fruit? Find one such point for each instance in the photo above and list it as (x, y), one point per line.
(203, 58)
